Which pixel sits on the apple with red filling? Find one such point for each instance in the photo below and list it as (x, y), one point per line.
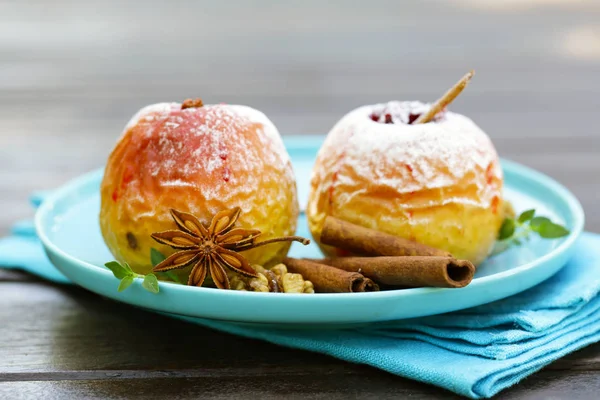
(439, 183)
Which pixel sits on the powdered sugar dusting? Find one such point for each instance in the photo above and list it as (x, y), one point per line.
(177, 183)
(269, 133)
(148, 113)
(190, 148)
(409, 158)
(209, 148)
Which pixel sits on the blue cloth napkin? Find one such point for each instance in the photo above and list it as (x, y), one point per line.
(476, 352)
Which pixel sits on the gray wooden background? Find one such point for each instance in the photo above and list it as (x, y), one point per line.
(73, 72)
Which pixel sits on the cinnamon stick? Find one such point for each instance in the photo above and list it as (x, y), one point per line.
(368, 285)
(446, 99)
(415, 271)
(369, 242)
(327, 279)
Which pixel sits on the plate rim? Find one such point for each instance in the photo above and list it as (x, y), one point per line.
(572, 203)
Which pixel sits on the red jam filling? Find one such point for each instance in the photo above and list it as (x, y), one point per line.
(396, 112)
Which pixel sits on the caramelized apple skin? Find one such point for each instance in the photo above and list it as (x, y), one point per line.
(198, 160)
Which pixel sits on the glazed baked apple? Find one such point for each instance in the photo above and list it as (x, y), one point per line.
(199, 159)
(438, 183)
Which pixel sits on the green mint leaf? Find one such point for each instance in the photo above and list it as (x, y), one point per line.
(518, 242)
(156, 257)
(125, 283)
(150, 283)
(118, 270)
(537, 223)
(507, 229)
(526, 215)
(550, 230)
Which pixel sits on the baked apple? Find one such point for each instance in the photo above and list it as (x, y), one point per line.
(199, 159)
(438, 183)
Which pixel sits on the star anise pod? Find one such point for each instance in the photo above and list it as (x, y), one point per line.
(212, 249)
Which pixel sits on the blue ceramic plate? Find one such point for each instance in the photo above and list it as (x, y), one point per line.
(67, 224)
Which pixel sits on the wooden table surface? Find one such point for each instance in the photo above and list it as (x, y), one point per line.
(72, 73)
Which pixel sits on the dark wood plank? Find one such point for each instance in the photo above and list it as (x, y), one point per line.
(14, 275)
(275, 386)
(89, 332)
(544, 385)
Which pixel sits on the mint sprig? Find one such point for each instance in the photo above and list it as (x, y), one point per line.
(514, 231)
(119, 270)
(125, 282)
(125, 274)
(150, 283)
